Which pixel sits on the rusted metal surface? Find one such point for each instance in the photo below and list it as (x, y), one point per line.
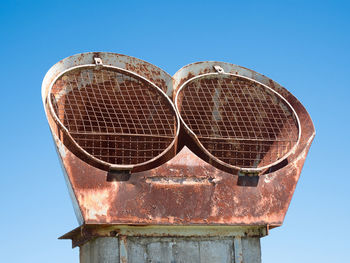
(186, 190)
(154, 74)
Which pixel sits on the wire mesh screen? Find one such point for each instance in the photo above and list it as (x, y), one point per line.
(116, 117)
(239, 121)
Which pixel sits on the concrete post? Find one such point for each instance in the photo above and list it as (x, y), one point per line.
(163, 249)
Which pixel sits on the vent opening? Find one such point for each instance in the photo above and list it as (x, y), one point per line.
(113, 118)
(237, 122)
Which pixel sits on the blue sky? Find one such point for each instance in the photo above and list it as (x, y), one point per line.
(304, 45)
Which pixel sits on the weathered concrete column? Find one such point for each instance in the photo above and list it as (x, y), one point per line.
(103, 249)
(208, 244)
(167, 249)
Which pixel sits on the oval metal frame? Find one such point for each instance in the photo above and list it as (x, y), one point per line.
(91, 157)
(211, 156)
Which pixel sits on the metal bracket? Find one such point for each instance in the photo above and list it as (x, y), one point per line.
(118, 175)
(98, 62)
(248, 179)
(219, 69)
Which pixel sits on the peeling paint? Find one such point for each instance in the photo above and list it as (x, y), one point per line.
(95, 203)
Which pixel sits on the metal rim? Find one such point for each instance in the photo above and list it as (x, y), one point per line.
(210, 155)
(82, 150)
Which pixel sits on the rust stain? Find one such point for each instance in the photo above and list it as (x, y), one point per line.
(123, 249)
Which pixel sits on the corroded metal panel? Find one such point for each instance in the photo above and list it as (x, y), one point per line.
(185, 190)
(138, 66)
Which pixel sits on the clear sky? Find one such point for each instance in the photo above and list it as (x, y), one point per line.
(304, 45)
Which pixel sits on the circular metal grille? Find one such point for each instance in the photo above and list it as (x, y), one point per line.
(237, 120)
(113, 115)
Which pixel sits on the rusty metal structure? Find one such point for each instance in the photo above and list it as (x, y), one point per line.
(214, 151)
